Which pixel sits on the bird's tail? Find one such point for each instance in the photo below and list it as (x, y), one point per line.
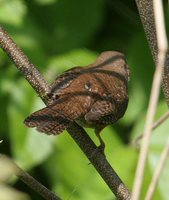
(48, 121)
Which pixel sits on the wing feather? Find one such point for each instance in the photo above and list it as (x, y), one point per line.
(102, 112)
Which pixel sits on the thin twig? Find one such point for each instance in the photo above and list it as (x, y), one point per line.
(161, 120)
(147, 133)
(30, 181)
(156, 124)
(158, 171)
(99, 160)
(162, 45)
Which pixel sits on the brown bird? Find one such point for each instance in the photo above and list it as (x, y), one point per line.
(93, 96)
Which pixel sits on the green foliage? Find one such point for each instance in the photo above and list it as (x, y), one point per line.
(7, 192)
(57, 35)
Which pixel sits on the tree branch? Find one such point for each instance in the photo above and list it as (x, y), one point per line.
(99, 162)
(24, 65)
(29, 180)
(159, 49)
(146, 12)
(36, 80)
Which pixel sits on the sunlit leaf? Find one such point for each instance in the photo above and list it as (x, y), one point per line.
(12, 11)
(8, 193)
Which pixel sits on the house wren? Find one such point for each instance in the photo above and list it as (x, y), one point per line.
(93, 96)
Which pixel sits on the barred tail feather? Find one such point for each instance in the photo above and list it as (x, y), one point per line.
(47, 121)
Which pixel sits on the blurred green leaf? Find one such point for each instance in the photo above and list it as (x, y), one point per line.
(68, 22)
(45, 2)
(12, 12)
(72, 27)
(124, 160)
(60, 63)
(136, 97)
(158, 140)
(141, 70)
(68, 162)
(28, 147)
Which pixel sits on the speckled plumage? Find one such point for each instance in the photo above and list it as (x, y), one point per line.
(94, 96)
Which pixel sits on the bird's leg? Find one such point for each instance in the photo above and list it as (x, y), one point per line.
(102, 144)
(101, 147)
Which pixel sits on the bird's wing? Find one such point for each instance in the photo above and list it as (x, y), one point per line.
(102, 112)
(64, 80)
(58, 116)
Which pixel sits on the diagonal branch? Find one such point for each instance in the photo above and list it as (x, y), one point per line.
(99, 161)
(36, 80)
(29, 180)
